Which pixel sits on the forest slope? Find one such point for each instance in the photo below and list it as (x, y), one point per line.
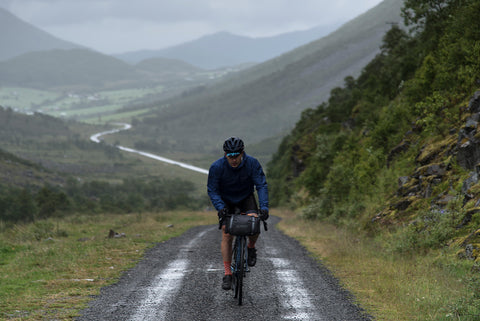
(395, 151)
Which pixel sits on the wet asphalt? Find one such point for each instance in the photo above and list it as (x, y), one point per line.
(180, 279)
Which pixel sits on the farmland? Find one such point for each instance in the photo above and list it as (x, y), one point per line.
(93, 107)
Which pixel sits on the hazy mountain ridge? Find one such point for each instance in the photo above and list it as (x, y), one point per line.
(84, 69)
(64, 68)
(19, 37)
(166, 65)
(225, 49)
(33, 58)
(209, 52)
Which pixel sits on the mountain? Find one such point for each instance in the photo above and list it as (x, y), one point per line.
(267, 99)
(224, 49)
(65, 68)
(19, 37)
(165, 66)
(395, 153)
(33, 58)
(86, 69)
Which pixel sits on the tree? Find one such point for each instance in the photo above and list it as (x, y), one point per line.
(428, 17)
(50, 202)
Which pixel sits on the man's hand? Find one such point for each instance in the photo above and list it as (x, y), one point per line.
(221, 216)
(222, 213)
(264, 215)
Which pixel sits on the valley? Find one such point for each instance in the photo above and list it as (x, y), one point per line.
(368, 136)
(104, 105)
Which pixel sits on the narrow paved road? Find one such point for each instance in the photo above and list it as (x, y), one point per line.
(181, 280)
(96, 139)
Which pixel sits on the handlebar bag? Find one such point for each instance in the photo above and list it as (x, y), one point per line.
(241, 224)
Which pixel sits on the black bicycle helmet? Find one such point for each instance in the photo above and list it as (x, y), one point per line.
(233, 145)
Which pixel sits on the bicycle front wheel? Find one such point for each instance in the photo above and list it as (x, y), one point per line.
(241, 269)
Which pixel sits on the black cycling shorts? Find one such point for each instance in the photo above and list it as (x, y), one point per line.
(248, 205)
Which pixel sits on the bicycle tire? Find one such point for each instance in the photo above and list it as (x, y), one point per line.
(235, 268)
(241, 269)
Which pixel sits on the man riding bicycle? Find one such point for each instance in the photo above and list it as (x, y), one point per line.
(231, 183)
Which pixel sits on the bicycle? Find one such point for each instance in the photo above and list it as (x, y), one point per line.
(249, 225)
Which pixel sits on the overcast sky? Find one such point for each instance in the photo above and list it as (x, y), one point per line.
(117, 26)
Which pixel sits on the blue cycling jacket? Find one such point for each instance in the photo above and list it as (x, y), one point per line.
(235, 184)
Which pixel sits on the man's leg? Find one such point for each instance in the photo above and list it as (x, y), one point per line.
(226, 249)
(252, 251)
(249, 205)
(252, 240)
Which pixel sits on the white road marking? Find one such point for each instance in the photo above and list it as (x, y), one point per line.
(295, 297)
(164, 287)
(214, 270)
(96, 138)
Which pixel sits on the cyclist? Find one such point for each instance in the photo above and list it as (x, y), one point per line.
(231, 183)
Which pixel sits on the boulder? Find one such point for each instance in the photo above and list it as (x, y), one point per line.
(468, 143)
(474, 103)
(430, 170)
(471, 180)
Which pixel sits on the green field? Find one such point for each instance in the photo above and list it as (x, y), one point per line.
(96, 107)
(50, 269)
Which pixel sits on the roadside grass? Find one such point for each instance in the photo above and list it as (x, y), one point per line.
(433, 286)
(50, 269)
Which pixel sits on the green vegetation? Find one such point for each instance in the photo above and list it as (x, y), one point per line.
(132, 195)
(390, 286)
(25, 99)
(58, 191)
(93, 107)
(64, 148)
(60, 172)
(391, 154)
(50, 269)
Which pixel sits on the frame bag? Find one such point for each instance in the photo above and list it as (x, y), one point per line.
(242, 224)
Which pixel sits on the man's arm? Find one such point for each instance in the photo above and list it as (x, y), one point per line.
(213, 186)
(260, 182)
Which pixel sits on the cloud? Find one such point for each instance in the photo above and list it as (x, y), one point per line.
(115, 25)
(58, 12)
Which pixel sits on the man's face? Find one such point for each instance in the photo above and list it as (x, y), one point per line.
(234, 160)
